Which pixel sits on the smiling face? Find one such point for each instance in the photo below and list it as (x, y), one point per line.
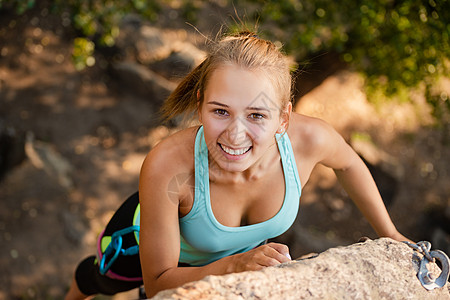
(240, 113)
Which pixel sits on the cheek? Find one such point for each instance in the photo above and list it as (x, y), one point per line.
(261, 133)
(212, 131)
(213, 127)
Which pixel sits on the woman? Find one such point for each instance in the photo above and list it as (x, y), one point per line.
(211, 195)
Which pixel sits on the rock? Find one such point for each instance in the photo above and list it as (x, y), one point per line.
(147, 43)
(155, 59)
(11, 148)
(143, 81)
(74, 227)
(379, 269)
(44, 156)
(151, 44)
(183, 58)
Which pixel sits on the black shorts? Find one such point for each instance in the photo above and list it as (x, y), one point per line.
(91, 282)
(88, 276)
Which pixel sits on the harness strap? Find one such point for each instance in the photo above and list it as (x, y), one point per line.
(115, 249)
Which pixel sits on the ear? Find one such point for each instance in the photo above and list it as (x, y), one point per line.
(284, 118)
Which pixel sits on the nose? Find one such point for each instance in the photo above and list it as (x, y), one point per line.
(237, 132)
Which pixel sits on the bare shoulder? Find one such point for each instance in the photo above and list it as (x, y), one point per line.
(173, 155)
(315, 141)
(309, 134)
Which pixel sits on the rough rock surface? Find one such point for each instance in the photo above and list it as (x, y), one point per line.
(379, 269)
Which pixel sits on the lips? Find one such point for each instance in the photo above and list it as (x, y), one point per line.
(235, 152)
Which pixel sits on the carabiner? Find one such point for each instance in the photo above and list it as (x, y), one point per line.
(424, 274)
(112, 250)
(115, 249)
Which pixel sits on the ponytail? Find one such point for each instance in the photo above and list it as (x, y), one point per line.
(184, 98)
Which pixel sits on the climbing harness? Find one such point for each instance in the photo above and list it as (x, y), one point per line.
(115, 249)
(425, 277)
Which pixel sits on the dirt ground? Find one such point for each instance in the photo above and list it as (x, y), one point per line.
(50, 217)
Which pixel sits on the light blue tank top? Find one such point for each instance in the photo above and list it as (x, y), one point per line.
(204, 239)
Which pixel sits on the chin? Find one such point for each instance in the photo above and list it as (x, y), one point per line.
(232, 166)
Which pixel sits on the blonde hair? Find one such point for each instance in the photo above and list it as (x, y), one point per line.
(244, 49)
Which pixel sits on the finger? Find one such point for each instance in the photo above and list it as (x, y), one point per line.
(273, 253)
(267, 261)
(281, 248)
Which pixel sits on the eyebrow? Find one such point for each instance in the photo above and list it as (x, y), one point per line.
(257, 108)
(217, 103)
(249, 108)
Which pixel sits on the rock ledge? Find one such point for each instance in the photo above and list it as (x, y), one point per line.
(379, 269)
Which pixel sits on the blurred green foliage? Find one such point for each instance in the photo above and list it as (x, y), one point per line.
(396, 45)
(96, 21)
(20, 6)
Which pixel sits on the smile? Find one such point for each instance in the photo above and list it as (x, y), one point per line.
(235, 152)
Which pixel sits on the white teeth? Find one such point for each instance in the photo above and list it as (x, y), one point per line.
(233, 151)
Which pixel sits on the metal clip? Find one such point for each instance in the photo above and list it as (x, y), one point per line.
(425, 277)
(425, 246)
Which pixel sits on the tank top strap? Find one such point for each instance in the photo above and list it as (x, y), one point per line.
(288, 159)
(200, 168)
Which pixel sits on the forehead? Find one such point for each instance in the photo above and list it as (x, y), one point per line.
(238, 86)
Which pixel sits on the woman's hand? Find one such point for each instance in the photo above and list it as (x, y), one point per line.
(399, 237)
(263, 256)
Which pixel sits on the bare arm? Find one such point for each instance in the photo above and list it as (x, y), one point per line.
(360, 186)
(331, 150)
(160, 237)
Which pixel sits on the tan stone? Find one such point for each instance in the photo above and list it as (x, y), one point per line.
(379, 269)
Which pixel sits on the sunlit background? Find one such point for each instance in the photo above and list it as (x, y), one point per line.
(81, 83)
